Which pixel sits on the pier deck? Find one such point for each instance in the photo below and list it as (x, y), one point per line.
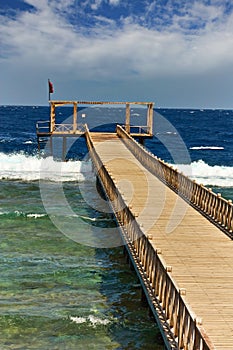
(199, 255)
(177, 233)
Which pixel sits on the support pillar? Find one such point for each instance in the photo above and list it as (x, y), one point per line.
(38, 143)
(143, 297)
(51, 145)
(64, 148)
(141, 140)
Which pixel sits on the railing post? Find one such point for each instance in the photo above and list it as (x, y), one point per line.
(75, 116)
(229, 216)
(52, 117)
(127, 118)
(150, 118)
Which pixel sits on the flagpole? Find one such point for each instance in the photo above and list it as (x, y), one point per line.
(49, 88)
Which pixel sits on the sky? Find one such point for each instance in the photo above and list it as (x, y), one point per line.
(175, 53)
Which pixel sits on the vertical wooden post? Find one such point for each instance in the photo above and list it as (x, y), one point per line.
(143, 297)
(52, 117)
(75, 115)
(51, 145)
(141, 141)
(38, 143)
(127, 118)
(64, 148)
(150, 118)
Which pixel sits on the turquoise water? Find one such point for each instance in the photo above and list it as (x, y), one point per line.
(58, 294)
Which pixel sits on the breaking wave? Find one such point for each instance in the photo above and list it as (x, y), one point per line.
(19, 166)
(206, 174)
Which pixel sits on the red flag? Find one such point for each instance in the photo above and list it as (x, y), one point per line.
(51, 90)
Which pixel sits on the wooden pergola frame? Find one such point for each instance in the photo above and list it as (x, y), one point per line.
(150, 106)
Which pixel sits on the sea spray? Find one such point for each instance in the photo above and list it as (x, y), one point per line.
(19, 166)
(203, 173)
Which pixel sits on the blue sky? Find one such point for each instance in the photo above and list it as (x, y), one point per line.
(175, 53)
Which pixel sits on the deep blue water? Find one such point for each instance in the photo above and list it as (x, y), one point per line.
(199, 129)
(57, 293)
(207, 134)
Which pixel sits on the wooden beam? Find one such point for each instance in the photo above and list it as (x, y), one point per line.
(60, 103)
(150, 112)
(64, 148)
(75, 116)
(52, 117)
(127, 118)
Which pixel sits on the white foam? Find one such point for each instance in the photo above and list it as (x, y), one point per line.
(87, 218)
(29, 168)
(7, 139)
(207, 148)
(35, 216)
(166, 133)
(19, 166)
(78, 319)
(93, 320)
(205, 174)
(4, 212)
(21, 213)
(97, 321)
(18, 213)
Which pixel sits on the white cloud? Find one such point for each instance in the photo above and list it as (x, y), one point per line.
(105, 20)
(44, 41)
(96, 4)
(114, 2)
(207, 13)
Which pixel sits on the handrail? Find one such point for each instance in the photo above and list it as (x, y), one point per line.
(181, 327)
(63, 127)
(141, 129)
(42, 125)
(214, 207)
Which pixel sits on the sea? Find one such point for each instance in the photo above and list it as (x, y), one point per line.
(60, 287)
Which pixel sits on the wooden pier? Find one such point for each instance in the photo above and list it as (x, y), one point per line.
(178, 235)
(49, 129)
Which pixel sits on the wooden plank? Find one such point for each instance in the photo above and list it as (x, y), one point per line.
(200, 254)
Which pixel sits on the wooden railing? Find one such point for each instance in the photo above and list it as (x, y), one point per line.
(180, 328)
(43, 126)
(217, 209)
(63, 128)
(68, 128)
(137, 129)
(168, 299)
